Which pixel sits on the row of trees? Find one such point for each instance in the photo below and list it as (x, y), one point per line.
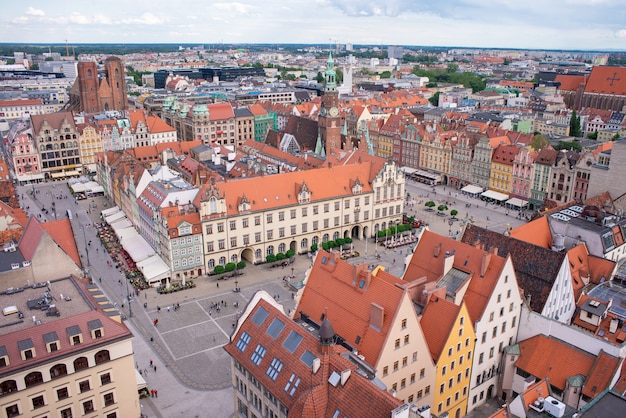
(328, 245)
(229, 267)
(441, 208)
(451, 75)
(271, 258)
(396, 229)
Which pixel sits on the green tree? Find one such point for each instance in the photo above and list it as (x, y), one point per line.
(241, 265)
(219, 269)
(385, 74)
(320, 77)
(230, 267)
(442, 208)
(313, 248)
(430, 204)
(615, 137)
(270, 258)
(434, 99)
(452, 68)
(592, 135)
(574, 125)
(454, 212)
(569, 145)
(539, 141)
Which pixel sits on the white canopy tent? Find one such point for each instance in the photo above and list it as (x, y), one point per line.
(121, 224)
(471, 189)
(517, 203)
(137, 248)
(124, 234)
(115, 217)
(110, 211)
(493, 195)
(154, 270)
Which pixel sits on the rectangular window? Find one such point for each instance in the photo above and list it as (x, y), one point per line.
(397, 343)
(405, 361)
(315, 225)
(269, 218)
(304, 228)
(257, 237)
(209, 229)
(304, 211)
(346, 219)
(326, 207)
(84, 386)
(38, 402)
(105, 379)
(233, 225)
(292, 213)
(257, 220)
(62, 393)
(244, 221)
(66, 413)
(108, 399)
(88, 407)
(403, 323)
(315, 210)
(336, 220)
(385, 371)
(281, 216)
(395, 366)
(293, 230)
(221, 244)
(258, 354)
(220, 227)
(422, 373)
(233, 242)
(336, 206)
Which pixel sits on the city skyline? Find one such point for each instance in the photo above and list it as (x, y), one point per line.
(534, 24)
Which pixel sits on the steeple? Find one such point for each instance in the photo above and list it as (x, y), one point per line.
(330, 75)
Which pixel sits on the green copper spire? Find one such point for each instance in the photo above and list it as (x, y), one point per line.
(330, 75)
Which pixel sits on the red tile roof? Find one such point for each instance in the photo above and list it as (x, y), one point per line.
(61, 232)
(437, 323)
(607, 80)
(345, 294)
(544, 356)
(570, 82)
(536, 232)
(315, 396)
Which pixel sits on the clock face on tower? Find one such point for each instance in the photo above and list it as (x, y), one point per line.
(323, 111)
(333, 112)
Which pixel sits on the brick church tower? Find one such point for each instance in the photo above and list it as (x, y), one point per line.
(93, 92)
(329, 121)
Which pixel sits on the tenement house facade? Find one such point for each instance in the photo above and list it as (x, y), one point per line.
(253, 217)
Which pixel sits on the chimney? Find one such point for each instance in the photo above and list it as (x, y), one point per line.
(437, 250)
(316, 365)
(485, 263)
(377, 314)
(344, 376)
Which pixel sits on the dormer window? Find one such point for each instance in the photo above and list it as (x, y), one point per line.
(51, 340)
(27, 349)
(74, 334)
(96, 329)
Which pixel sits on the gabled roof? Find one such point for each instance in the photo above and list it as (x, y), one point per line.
(549, 357)
(505, 154)
(345, 294)
(220, 111)
(61, 232)
(601, 374)
(536, 268)
(30, 238)
(54, 119)
(437, 322)
(607, 80)
(570, 82)
(318, 393)
(536, 232)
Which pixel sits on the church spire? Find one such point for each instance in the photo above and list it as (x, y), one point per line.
(330, 75)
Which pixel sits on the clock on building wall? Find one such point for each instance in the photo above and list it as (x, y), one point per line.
(333, 112)
(323, 111)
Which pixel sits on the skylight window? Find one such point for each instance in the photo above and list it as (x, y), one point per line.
(243, 341)
(275, 328)
(275, 367)
(260, 316)
(308, 358)
(258, 354)
(292, 341)
(292, 384)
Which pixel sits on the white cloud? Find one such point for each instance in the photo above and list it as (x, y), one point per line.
(621, 33)
(31, 11)
(145, 19)
(234, 7)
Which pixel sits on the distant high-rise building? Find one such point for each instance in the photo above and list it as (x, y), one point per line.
(395, 52)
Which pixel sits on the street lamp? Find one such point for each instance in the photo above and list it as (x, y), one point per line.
(236, 285)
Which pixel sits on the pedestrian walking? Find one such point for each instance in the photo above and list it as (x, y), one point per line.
(152, 393)
(217, 284)
(155, 368)
(156, 393)
(150, 363)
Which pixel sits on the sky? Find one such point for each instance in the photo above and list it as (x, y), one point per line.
(526, 24)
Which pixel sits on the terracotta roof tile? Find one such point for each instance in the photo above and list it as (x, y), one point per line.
(607, 80)
(548, 357)
(61, 232)
(437, 323)
(536, 232)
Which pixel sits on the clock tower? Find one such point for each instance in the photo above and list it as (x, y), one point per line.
(328, 119)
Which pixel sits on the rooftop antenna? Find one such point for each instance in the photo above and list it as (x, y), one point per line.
(67, 49)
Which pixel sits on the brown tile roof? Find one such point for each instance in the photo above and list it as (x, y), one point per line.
(61, 232)
(547, 156)
(345, 294)
(607, 80)
(220, 111)
(539, 389)
(536, 232)
(601, 374)
(305, 131)
(570, 82)
(315, 396)
(30, 238)
(536, 268)
(112, 331)
(54, 119)
(505, 154)
(437, 322)
(548, 357)
(21, 102)
(280, 190)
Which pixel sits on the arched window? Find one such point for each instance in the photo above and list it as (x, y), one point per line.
(304, 243)
(325, 238)
(257, 253)
(213, 205)
(58, 370)
(8, 386)
(222, 261)
(32, 379)
(89, 73)
(62, 145)
(315, 240)
(281, 247)
(102, 356)
(117, 71)
(233, 258)
(211, 263)
(270, 249)
(81, 363)
(336, 235)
